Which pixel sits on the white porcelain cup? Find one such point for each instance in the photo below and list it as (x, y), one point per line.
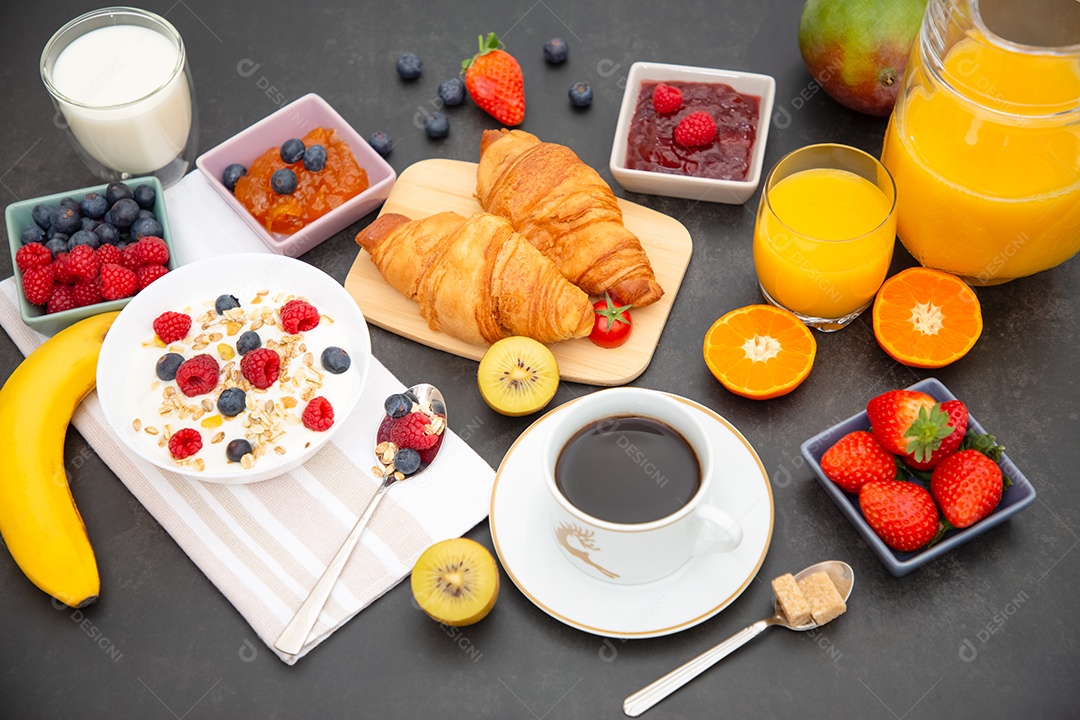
(638, 552)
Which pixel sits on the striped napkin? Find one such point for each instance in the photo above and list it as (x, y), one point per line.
(265, 545)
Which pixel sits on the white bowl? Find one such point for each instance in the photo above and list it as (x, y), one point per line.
(684, 186)
(126, 366)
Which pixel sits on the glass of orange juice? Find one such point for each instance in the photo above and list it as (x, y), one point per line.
(825, 232)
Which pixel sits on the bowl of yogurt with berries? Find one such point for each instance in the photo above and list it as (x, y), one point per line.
(234, 369)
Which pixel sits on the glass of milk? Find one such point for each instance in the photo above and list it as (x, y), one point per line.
(120, 80)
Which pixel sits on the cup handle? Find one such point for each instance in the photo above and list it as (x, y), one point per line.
(730, 535)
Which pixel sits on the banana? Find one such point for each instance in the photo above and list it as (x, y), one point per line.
(38, 518)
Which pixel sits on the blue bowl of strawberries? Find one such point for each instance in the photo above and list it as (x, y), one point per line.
(917, 475)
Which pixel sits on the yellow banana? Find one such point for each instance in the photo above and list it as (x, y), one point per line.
(38, 518)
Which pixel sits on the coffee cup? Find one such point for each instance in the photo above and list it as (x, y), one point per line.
(630, 474)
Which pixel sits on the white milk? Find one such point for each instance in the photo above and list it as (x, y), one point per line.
(134, 114)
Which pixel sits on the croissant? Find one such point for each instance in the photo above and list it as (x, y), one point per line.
(567, 211)
(476, 279)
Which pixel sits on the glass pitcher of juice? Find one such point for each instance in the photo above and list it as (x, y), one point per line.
(984, 141)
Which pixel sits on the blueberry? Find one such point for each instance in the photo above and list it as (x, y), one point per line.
(56, 246)
(123, 213)
(237, 449)
(84, 237)
(398, 405)
(88, 224)
(335, 360)
(116, 192)
(283, 181)
(292, 151)
(167, 364)
(65, 220)
(32, 233)
(94, 206)
(409, 66)
(145, 196)
(381, 143)
(233, 173)
(121, 244)
(411, 397)
(70, 202)
(555, 51)
(437, 125)
(248, 341)
(580, 94)
(225, 302)
(146, 227)
(59, 236)
(452, 92)
(107, 233)
(231, 401)
(315, 158)
(146, 214)
(406, 461)
(42, 215)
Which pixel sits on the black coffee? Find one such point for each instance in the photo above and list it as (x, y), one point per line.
(628, 469)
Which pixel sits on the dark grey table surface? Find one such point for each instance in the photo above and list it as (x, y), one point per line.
(990, 630)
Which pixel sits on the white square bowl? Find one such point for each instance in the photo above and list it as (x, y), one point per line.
(734, 192)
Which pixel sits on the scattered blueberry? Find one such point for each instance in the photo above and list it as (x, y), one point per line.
(116, 192)
(65, 220)
(107, 233)
(144, 213)
(225, 302)
(70, 202)
(437, 125)
(406, 461)
(315, 158)
(248, 341)
(237, 449)
(94, 206)
(88, 224)
(452, 91)
(56, 246)
(145, 196)
(83, 237)
(167, 364)
(292, 151)
(398, 405)
(233, 173)
(231, 401)
(283, 181)
(335, 360)
(62, 237)
(409, 66)
(42, 214)
(580, 94)
(123, 213)
(32, 233)
(555, 51)
(146, 227)
(381, 143)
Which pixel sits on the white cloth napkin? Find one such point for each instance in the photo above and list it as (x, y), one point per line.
(265, 545)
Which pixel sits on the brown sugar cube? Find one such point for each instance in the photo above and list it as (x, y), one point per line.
(792, 601)
(825, 601)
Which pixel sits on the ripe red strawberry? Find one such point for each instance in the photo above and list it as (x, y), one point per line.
(172, 326)
(666, 99)
(856, 459)
(892, 414)
(117, 282)
(261, 367)
(299, 316)
(37, 284)
(151, 251)
(83, 263)
(931, 429)
(968, 486)
(32, 255)
(901, 513)
(197, 375)
(108, 254)
(696, 129)
(493, 78)
(318, 415)
(87, 293)
(185, 442)
(62, 299)
(413, 431)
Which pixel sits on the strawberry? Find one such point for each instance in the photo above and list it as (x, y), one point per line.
(968, 486)
(901, 513)
(957, 419)
(911, 424)
(856, 459)
(493, 78)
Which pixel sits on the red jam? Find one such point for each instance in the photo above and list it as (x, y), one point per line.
(651, 146)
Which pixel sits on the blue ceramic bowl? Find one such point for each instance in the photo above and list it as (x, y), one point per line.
(1016, 497)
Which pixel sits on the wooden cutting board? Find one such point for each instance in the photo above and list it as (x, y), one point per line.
(438, 185)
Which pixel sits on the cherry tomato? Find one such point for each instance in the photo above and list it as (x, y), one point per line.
(611, 324)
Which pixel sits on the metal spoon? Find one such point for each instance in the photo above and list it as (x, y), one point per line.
(296, 633)
(842, 576)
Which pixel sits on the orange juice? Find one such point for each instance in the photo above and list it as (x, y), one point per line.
(823, 242)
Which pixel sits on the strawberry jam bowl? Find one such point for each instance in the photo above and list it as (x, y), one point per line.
(230, 370)
(694, 133)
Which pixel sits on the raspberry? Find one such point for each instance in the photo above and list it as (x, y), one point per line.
(151, 251)
(185, 442)
(32, 255)
(413, 431)
(129, 257)
(428, 455)
(696, 129)
(198, 375)
(149, 273)
(108, 254)
(666, 99)
(62, 271)
(172, 326)
(299, 316)
(260, 367)
(87, 293)
(318, 415)
(37, 283)
(117, 282)
(83, 263)
(61, 299)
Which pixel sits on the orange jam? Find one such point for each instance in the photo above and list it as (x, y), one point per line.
(317, 193)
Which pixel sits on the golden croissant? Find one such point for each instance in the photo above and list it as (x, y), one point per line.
(567, 211)
(476, 279)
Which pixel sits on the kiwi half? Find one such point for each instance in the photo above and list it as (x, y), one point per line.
(456, 582)
(518, 376)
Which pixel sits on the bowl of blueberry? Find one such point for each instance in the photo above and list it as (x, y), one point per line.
(87, 251)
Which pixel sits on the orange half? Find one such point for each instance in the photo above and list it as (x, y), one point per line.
(926, 318)
(759, 351)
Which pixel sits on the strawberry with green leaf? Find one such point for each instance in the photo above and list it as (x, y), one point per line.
(916, 427)
(494, 81)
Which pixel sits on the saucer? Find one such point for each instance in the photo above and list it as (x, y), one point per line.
(697, 591)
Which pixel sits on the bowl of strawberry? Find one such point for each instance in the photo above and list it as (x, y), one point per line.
(917, 475)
